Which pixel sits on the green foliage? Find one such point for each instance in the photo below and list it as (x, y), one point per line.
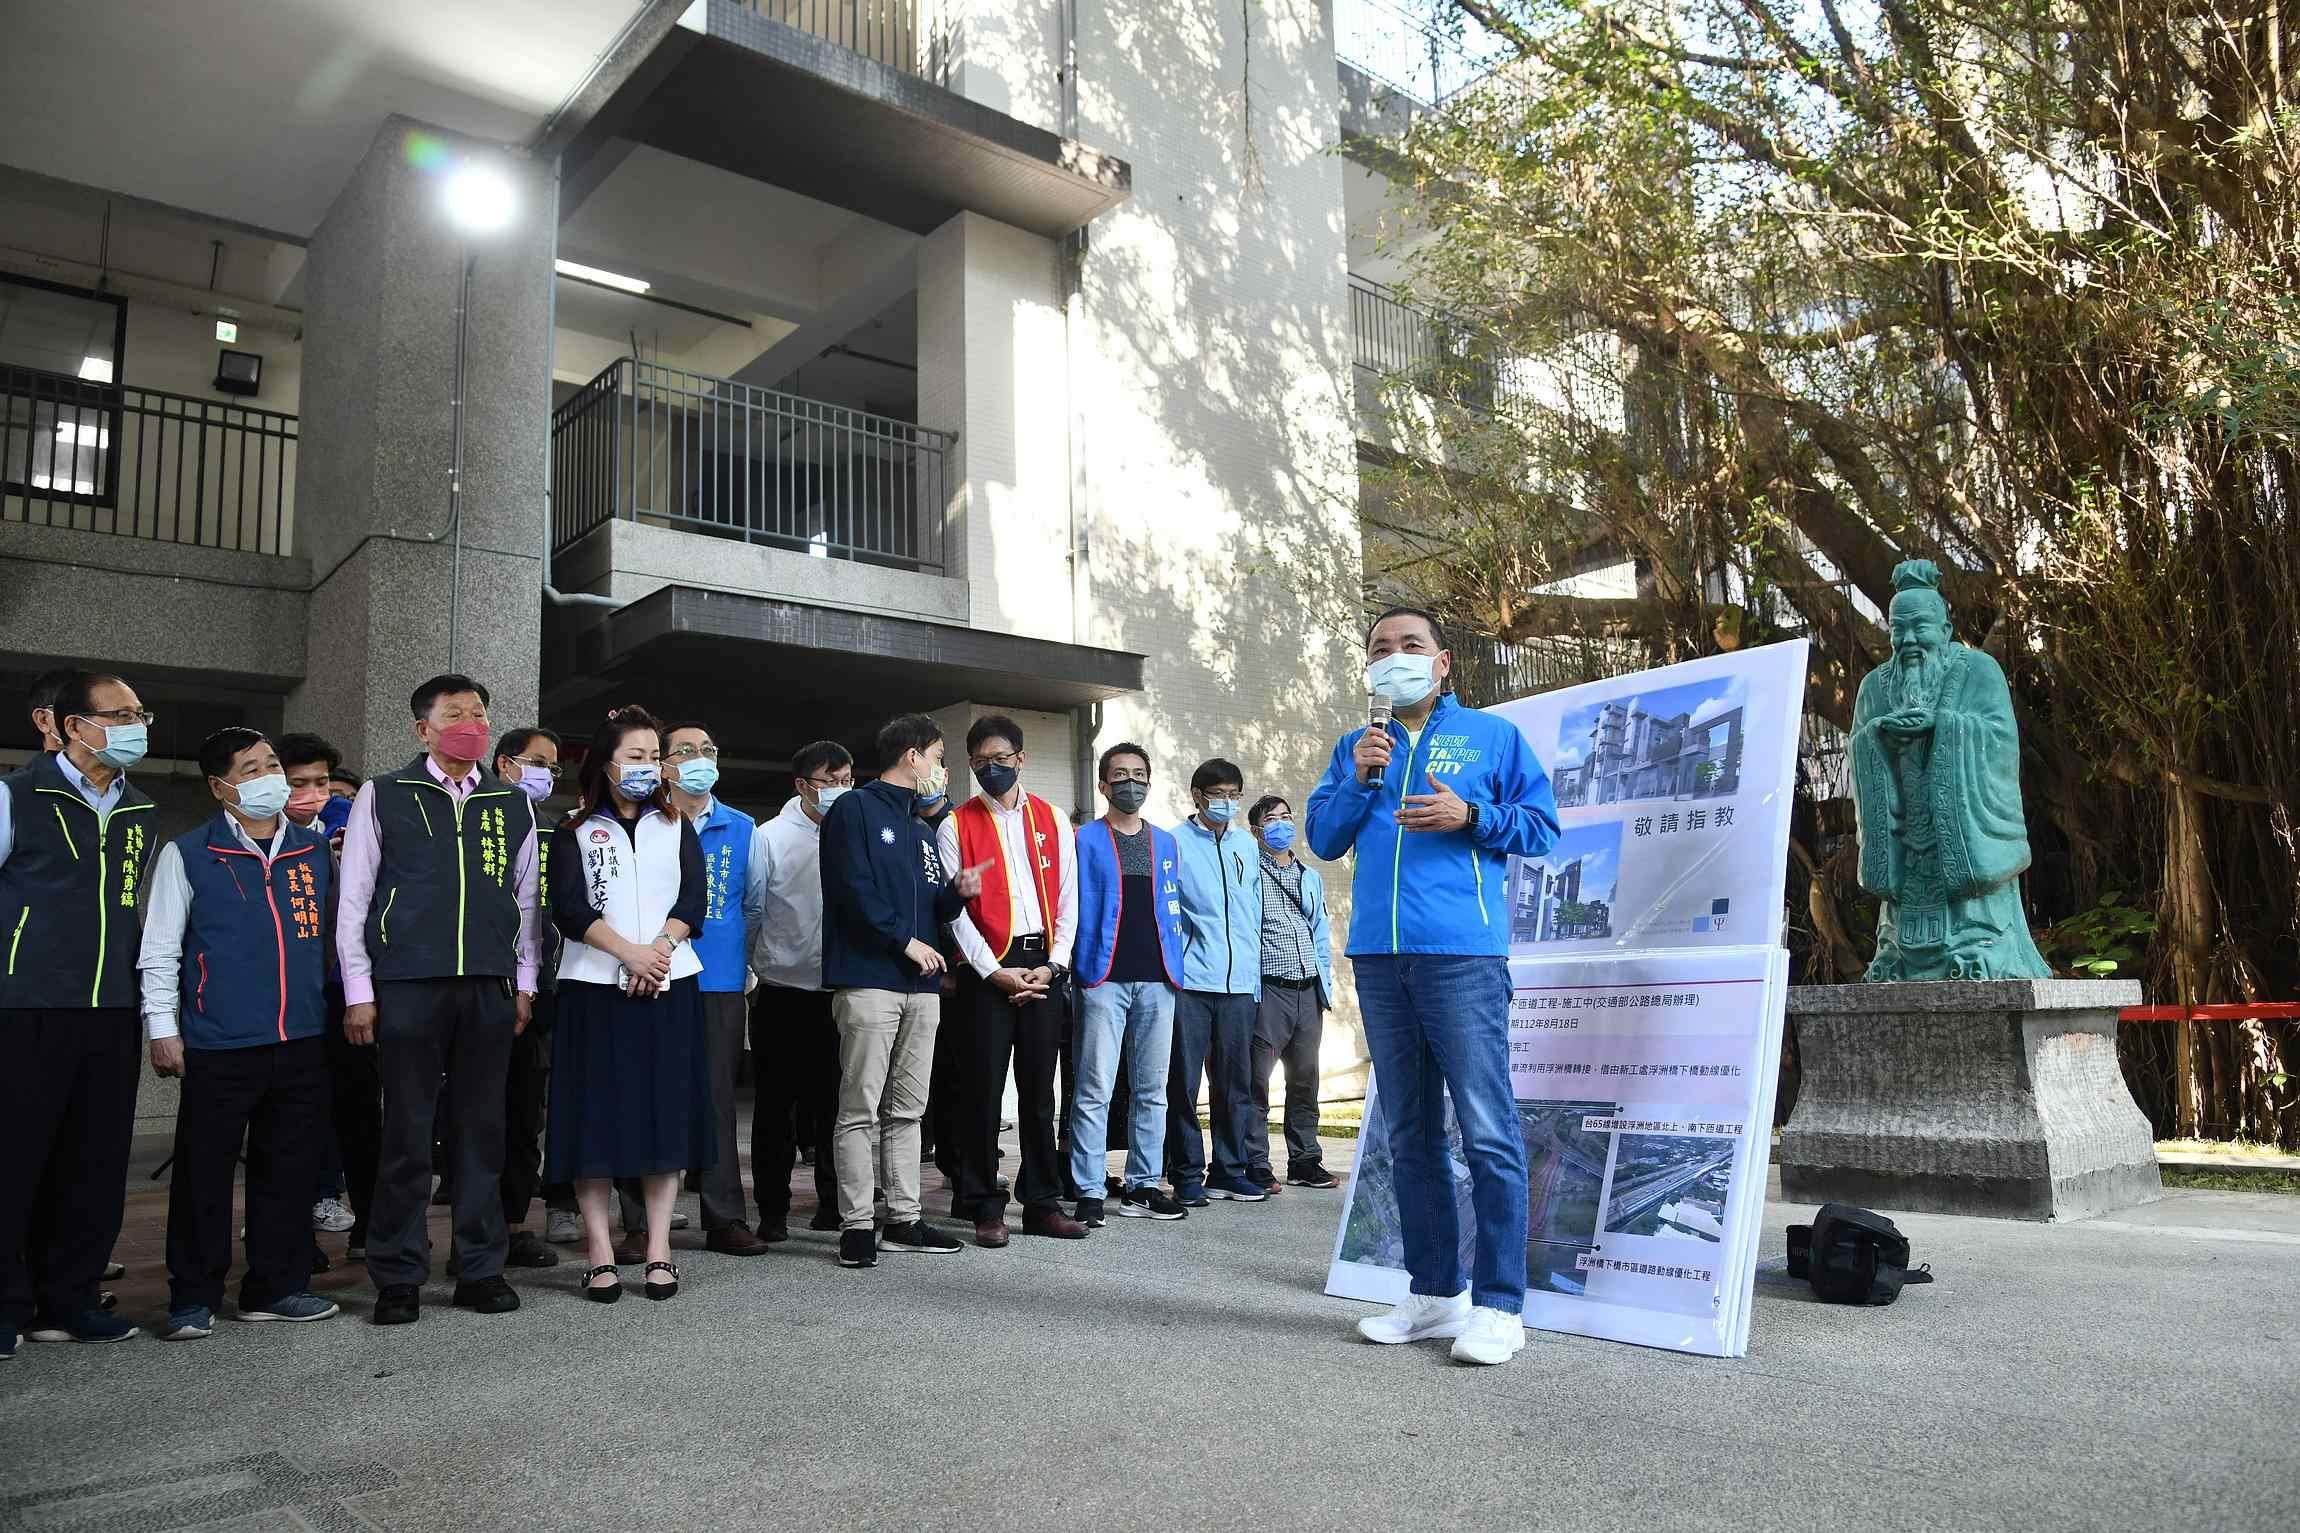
(2100, 942)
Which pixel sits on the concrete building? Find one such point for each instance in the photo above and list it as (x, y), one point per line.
(784, 363)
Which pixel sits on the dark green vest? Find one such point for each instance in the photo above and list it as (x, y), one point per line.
(444, 905)
(68, 892)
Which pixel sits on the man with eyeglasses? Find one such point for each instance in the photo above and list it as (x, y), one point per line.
(794, 1041)
(528, 759)
(691, 769)
(75, 836)
(1221, 893)
(1297, 990)
(1015, 936)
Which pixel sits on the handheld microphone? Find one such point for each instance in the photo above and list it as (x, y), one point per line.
(1378, 719)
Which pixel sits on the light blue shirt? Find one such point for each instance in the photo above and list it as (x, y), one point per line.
(102, 802)
(1221, 878)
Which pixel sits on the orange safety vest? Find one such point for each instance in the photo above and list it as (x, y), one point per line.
(994, 910)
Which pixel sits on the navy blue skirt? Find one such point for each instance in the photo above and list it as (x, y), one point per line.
(630, 1085)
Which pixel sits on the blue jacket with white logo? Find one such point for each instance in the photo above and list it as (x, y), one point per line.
(1221, 878)
(1428, 891)
(1101, 902)
(724, 942)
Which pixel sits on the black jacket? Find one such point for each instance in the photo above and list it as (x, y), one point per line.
(883, 887)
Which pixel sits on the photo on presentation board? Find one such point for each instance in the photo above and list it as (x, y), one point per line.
(1568, 1178)
(1680, 742)
(1567, 895)
(1670, 1186)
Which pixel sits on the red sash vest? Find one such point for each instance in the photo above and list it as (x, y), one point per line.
(993, 911)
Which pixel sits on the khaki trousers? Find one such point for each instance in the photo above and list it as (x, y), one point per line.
(886, 1054)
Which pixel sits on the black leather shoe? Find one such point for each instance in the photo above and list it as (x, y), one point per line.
(825, 1219)
(657, 1290)
(525, 1249)
(774, 1231)
(486, 1296)
(602, 1293)
(398, 1304)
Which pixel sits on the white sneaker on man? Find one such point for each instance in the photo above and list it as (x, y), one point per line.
(1419, 1318)
(332, 1215)
(1492, 1336)
(562, 1228)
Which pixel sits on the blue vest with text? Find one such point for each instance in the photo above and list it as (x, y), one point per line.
(723, 943)
(255, 939)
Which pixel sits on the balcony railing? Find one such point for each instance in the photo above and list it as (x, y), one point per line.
(883, 30)
(1409, 55)
(648, 443)
(1437, 355)
(144, 463)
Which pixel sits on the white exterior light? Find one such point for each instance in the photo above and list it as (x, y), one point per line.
(614, 279)
(96, 369)
(478, 198)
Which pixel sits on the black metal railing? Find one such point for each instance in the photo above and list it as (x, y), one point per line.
(1435, 354)
(1410, 56)
(645, 442)
(144, 463)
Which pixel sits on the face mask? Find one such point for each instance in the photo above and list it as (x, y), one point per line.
(1404, 679)
(825, 797)
(123, 746)
(304, 805)
(935, 785)
(262, 798)
(1219, 810)
(535, 782)
(996, 780)
(638, 780)
(932, 801)
(699, 775)
(462, 741)
(1129, 797)
(1278, 835)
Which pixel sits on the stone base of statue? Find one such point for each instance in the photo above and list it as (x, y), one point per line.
(1995, 1097)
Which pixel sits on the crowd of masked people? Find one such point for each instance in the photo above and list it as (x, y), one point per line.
(470, 980)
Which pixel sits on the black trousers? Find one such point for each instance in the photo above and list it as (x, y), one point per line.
(274, 1097)
(424, 1029)
(1029, 1036)
(795, 1071)
(526, 1087)
(355, 1108)
(945, 1095)
(67, 1112)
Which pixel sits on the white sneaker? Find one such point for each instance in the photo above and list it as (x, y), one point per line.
(331, 1215)
(678, 1220)
(1418, 1319)
(563, 1228)
(1492, 1336)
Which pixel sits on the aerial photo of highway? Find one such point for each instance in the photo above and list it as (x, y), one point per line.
(1670, 1185)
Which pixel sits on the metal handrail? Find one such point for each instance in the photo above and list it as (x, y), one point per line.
(1435, 352)
(651, 443)
(1407, 54)
(883, 30)
(145, 463)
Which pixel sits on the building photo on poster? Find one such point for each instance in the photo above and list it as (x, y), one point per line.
(1646, 1017)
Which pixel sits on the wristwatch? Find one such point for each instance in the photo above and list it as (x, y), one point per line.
(1060, 971)
(1472, 824)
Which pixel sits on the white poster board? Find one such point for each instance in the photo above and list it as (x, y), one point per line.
(1645, 1027)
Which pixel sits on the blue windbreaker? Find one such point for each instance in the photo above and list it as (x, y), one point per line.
(1422, 891)
(1221, 878)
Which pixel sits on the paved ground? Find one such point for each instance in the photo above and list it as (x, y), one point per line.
(2136, 1372)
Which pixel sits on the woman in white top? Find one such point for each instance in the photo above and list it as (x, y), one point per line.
(630, 1073)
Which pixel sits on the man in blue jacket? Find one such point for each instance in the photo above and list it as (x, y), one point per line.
(1221, 878)
(1460, 793)
(1297, 990)
(1128, 958)
(886, 899)
(234, 963)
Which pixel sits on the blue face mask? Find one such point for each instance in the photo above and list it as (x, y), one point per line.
(700, 775)
(1278, 835)
(123, 747)
(638, 780)
(1402, 678)
(825, 797)
(1219, 810)
(262, 798)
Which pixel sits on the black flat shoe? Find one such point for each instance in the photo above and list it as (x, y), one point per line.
(598, 1294)
(662, 1290)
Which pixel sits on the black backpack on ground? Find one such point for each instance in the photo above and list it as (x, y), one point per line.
(1852, 1256)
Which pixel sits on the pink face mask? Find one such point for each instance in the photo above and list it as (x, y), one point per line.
(303, 805)
(465, 740)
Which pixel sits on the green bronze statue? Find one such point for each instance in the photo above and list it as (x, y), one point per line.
(1936, 781)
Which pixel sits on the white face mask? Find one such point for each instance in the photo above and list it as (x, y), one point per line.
(1402, 678)
(825, 797)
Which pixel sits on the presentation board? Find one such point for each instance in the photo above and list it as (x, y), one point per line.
(1649, 985)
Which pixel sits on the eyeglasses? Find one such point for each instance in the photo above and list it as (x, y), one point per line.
(530, 761)
(123, 716)
(694, 752)
(1003, 758)
(818, 783)
(1234, 795)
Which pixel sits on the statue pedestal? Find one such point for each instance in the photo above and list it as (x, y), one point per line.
(1994, 1097)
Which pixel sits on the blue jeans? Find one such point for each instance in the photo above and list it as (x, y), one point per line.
(1438, 1025)
(1213, 1041)
(1140, 1015)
